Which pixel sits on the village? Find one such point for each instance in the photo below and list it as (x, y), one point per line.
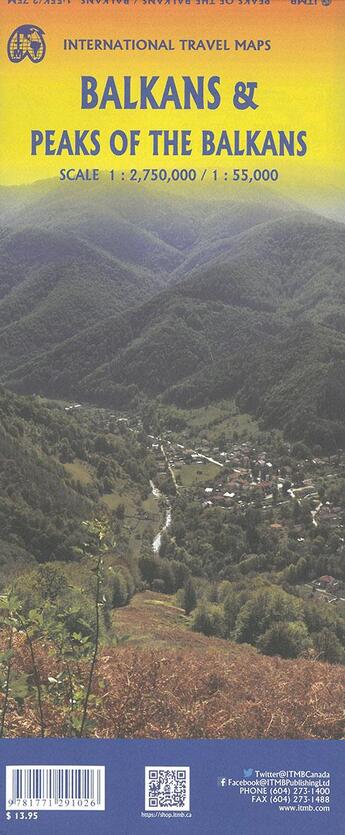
(302, 498)
(243, 475)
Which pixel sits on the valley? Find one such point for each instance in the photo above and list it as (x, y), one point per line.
(172, 449)
(252, 552)
(236, 512)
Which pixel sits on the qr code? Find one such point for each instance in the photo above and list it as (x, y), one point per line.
(167, 787)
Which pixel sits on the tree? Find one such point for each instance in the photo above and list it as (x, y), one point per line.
(189, 597)
(291, 574)
(158, 586)
(233, 603)
(167, 574)
(301, 450)
(52, 581)
(149, 567)
(209, 620)
(120, 591)
(302, 569)
(286, 639)
(329, 647)
(252, 520)
(179, 532)
(181, 573)
(262, 610)
(120, 511)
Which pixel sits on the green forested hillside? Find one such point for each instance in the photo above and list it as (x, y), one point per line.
(70, 260)
(44, 495)
(40, 509)
(191, 301)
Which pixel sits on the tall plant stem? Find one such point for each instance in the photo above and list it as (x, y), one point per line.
(36, 677)
(95, 651)
(7, 686)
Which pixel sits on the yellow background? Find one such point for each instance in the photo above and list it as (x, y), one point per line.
(300, 83)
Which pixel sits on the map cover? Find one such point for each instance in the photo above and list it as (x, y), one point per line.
(172, 417)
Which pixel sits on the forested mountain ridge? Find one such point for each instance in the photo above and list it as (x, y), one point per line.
(67, 261)
(297, 260)
(221, 299)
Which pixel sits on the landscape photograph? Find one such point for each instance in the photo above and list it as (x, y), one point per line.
(172, 463)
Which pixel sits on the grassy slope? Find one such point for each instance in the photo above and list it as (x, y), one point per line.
(201, 688)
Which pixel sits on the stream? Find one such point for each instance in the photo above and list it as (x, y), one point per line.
(156, 544)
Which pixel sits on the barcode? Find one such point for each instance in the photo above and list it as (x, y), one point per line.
(40, 787)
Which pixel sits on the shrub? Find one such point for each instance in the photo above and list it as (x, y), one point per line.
(286, 639)
(158, 586)
(120, 591)
(329, 647)
(209, 620)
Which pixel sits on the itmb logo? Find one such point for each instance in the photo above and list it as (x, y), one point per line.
(26, 42)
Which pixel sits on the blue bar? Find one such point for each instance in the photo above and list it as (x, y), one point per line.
(217, 806)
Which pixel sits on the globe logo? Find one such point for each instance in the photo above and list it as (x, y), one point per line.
(26, 42)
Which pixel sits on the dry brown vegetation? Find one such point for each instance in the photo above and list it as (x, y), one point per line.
(216, 692)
